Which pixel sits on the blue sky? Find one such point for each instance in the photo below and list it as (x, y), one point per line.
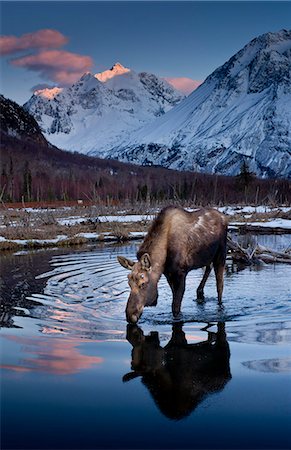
(170, 39)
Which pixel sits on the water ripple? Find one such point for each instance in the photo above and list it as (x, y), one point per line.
(86, 294)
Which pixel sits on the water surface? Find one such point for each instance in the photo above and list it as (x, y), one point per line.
(74, 375)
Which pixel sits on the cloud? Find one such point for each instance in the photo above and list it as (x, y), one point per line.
(41, 86)
(56, 65)
(52, 64)
(42, 39)
(183, 84)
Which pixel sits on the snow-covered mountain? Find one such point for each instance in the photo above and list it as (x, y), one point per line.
(98, 111)
(242, 112)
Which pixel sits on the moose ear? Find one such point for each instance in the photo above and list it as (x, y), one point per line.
(145, 261)
(126, 263)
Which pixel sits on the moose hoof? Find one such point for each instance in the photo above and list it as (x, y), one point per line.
(200, 295)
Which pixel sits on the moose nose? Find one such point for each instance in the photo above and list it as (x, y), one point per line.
(133, 311)
(134, 318)
(131, 318)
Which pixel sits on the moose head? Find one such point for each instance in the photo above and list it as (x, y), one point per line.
(143, 286)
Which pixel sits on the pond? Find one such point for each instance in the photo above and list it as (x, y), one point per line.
(75, 375)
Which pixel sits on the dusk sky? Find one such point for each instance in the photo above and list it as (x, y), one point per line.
(53, 43)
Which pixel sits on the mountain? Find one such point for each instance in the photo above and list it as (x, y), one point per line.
(241, 113)
(34, 170)
(15, 122)
(98, 111)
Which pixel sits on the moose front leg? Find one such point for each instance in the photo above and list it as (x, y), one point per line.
(177, 284)
(200, 289)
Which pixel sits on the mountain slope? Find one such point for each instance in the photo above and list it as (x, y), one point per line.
(240, 113)
(97, 112)
(34, 170)
(17, 123)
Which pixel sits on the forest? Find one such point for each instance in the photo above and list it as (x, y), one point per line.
(35, 171)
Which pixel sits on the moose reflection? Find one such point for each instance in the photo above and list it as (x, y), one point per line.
(180, 375)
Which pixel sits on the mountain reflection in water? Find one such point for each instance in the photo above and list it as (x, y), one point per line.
(179, 375)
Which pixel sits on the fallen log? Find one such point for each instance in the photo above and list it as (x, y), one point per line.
(257, 254)
(286, 254)
(245, 228)
(268, 258)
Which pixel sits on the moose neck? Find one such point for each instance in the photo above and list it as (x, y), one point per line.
(155, 244)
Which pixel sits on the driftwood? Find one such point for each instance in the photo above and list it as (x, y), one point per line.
(249, 228)
(257, 254)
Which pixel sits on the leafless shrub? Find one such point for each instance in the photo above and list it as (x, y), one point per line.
(6, 220)
(8, 245)
(75, 240)
(119, 231)
(47, 217)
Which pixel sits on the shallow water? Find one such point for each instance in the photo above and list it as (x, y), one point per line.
(74, 375)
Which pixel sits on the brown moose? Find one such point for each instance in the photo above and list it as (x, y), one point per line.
(177, 242)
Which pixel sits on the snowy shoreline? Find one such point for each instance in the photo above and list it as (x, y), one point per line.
(75, 226)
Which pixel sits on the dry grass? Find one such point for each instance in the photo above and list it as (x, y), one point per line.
(120, 230)
(8, 245)
(260, 217)
(44, 225)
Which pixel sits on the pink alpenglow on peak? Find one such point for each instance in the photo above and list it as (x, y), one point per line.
(184, 84)
(116, 70)
(97, 111)
(48, 93)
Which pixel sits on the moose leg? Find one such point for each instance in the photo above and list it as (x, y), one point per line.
(177, 284)
(178, 336)
(200, 289)
(219, 272)
(178, 292)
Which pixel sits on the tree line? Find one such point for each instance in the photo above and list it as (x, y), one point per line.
(32, 171)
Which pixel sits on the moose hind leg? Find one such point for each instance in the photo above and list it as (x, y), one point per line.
(200, 289)
(219, 273)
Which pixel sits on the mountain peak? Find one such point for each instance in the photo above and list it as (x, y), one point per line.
(86, 76)
(271, 36)
(240, 113)
(278, 41)
(118, 67)
(98, 111)
(262, 58)
(116, 70)
(48, 93)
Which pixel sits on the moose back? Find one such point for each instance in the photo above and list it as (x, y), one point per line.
(177, 242)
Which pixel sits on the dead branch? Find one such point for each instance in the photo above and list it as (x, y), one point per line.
(257, 254)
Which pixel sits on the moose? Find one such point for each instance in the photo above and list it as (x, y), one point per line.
(179, 375)
(177, 242)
